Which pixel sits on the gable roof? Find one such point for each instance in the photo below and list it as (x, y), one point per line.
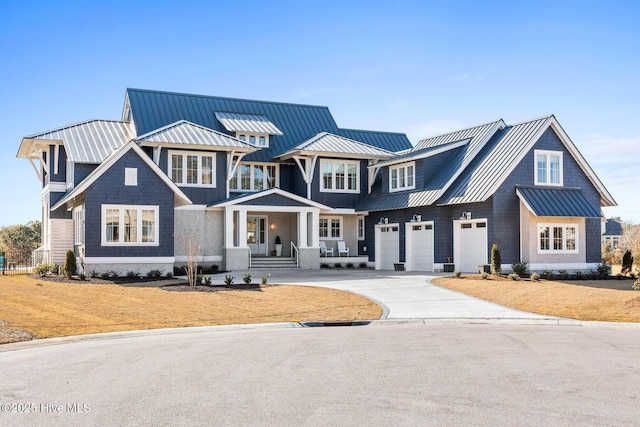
(249, 197)
(186, 133)
(480, 181)
(180, 197)
(542, 201)
(236, 122)
(91, 141)
(327, 143)
(151, 110)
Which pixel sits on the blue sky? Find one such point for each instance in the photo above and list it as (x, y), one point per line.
(418, 67)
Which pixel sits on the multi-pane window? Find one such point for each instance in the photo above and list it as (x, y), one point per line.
(129, 225)
(331, 228)
(548, 167)
(192, 169)
(402, 177)
(257, 140)
(360, 228)
(340, 176)
(557, 238)
(254, 177)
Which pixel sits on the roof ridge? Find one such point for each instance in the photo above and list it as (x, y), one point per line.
(225, 98)
(372, 131)
(532, 120)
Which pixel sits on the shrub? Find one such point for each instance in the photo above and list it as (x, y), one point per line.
(265, 279)
(362, 265)
(535, 276)
(579, 275)
(229, 279)
(207, 280)
(43, 269)
(484, 275)
(338, 265)
(70, 266)
(104, 275)
(247, 279)
(154, 274)
(627, 262)
(179, 271)
(199, 280)
(519, 267)
(496, 259)
(548, 274)
(563, 274)
(349, 265)
(636, 285)
(94, 274)
(603, 271)
(457, 273)
(169, 275)
(325, 266)
(133, 275)
(514, 276)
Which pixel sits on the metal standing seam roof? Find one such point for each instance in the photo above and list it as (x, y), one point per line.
(237, 122)
(557, 202)
(613, 227)
(187, 133)
(91, 141)
(152, 110)
(422, 153)
(479, 181)
(390, 141)
(329, 143)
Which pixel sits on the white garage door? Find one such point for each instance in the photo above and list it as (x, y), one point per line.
(419, 244)
(470, 244)
(387, 246)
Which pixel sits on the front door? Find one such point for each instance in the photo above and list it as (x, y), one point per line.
(257, 234)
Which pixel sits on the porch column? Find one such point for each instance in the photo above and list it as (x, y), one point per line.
(315, 228)
(302, 229)
(242, 228)
(228, 227)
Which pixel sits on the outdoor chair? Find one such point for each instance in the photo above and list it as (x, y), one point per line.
(324, 251)
(342, 248)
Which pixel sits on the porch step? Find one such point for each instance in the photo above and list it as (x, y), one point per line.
(261, 263)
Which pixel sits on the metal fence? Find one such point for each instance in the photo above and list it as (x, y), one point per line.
(11, 263)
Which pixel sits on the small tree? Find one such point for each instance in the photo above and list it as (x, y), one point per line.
(627, 262)
(496, 260)
(70, 266)
(190, 241)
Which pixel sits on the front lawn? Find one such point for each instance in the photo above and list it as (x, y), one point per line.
(600, 300)
(50, 309)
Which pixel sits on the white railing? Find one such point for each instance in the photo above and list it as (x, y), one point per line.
(39, 256)
(295, 250)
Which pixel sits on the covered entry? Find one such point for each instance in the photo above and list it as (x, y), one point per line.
(419, 245)
(470, 244)
(387, 246)
(257, 234)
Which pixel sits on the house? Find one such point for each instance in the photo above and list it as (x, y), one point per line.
(612, 232)
(230, 176)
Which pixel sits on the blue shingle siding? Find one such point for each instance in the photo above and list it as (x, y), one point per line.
(336, 199)
(81, 171)
(61, 176)
(594, 248)
(110, 189)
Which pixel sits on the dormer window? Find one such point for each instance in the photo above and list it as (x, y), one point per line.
(548, 167)
(254, 139)
(402, 177)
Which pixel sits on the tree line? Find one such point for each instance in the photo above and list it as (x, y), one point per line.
(18, 241)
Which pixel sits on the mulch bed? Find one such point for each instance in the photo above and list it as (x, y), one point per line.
(214, 288)
(100, 281)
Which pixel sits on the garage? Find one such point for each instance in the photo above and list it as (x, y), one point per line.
(470, 244)
(419, 245)
(387, 246)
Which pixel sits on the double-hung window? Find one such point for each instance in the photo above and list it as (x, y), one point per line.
(331, 228)
(548, 167)
(339, 176)
(192, 169)
(558, 238)
(254, 177)
(360, 228)
(135, 225)
(402, 177)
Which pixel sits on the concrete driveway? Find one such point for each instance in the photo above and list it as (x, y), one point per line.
(403, 295)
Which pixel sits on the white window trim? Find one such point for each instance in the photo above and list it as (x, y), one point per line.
(247, 136)
(200, 155)
(404, 166)
(329, 219)
(131, 177)
(361, 236)
(547, 153)
(564, 226)
(346, 164)
(122, 208)
(253, 164)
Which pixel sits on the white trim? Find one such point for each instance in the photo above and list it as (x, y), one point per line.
(346, 164)
(200, 155)
(110, 161)
(329, 219)
(54, 187)
(121, 226)
(547, 154)
(405, 167)
(563, 251)
(128, 260)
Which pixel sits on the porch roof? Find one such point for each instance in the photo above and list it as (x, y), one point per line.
(270, 197)
(326, 143)
(557, 202)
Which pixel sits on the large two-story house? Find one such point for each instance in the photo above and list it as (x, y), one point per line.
(233, 175)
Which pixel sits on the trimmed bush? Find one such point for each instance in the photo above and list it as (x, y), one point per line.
(603, 271)
(247, 279)
(362, 265)
(496, 259)
(484, 275)
(535, 276)
(519, 267)
(514, 276)
(457, 273)
(229, 279)
(70, 266)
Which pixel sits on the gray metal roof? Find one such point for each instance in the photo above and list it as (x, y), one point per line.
(91, 141)
(557, 202)
(478, 133)
(479, 181)
(187, 133)
(329, 143)
(422, 153)
(238, 122)
(154, 109)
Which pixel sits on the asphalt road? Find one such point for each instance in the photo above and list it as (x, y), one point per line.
(441, 373)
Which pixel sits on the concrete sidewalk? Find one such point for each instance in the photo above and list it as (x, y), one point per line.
(403, 295)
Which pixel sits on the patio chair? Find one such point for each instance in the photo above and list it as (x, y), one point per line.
(324, 251)
(342, 248)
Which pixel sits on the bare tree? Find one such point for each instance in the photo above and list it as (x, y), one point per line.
(190, 241)
(631, 237)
